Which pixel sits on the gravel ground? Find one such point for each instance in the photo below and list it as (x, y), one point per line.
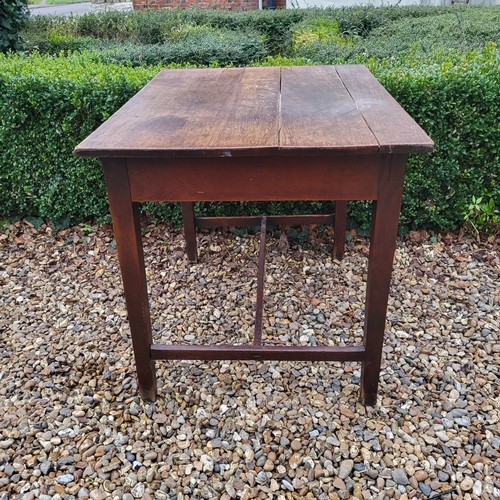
(72, 425)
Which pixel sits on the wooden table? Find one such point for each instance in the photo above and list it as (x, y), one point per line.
(257, 134)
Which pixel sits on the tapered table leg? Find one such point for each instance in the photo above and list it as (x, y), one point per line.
(382, 246)
(189, 230)
(127, 229)
(340, 228)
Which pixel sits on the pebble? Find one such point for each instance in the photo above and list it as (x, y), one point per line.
(245, 429)
(261, 477)
(6, 443)
(65, 479)
(400, 477)
(425, 489)
(477, 488)
(345, 468)
(138, 490)
(467, 484)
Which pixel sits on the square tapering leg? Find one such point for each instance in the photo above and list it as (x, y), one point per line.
(127, 229)
(384, 229)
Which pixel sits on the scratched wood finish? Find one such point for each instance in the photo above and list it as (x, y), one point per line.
(394, 128)
(316, 110)
(248, 179)
(323, 133)
(209, 112)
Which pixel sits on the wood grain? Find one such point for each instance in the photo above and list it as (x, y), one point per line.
(349, 177)
(328, 133)
(209, 112)
(317, 112)
(314, 110)
(394, 128)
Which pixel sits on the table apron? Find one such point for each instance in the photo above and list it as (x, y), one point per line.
(343, 177)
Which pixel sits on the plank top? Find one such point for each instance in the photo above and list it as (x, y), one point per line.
(258, 111)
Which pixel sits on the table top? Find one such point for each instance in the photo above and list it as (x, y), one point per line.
(310, 110)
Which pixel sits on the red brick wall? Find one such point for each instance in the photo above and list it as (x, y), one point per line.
(236, 5)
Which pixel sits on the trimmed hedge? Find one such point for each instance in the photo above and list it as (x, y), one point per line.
(199, 45)
(456, 99)
(452, 92)
(47, 106)
(59, 101)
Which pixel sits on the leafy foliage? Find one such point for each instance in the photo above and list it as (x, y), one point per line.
(192, 44)
(436, 62)
(12, 15)
(58, 102)
(483, 215)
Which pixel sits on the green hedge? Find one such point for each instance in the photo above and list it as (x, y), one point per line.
(199, 45)
(48, 105)
(447, 78)
(456, 99)
(59, 101)
(378, 32)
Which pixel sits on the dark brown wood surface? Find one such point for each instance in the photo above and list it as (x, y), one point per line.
(384, 228)
(264, 352)
(272, 220)
(317, 112)
(313, 110)
(127, 229)
(348, 177)
(316, 133)
(213, 112)
(394, 128)
(340, 229)
(189, 224)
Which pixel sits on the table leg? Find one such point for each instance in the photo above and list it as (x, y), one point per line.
(189, 230)
(127, 229)
(384, 228)
(339, 229)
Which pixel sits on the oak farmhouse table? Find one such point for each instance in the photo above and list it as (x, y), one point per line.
(258, 134)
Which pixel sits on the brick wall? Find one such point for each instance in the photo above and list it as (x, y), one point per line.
(236, 5)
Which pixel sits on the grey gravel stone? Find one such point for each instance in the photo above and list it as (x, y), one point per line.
(438, 380)
(425, 489)
(400, 477)
(138, 490)
(261, 477)
(46, 466)
(6, 443)
(65, 479)
(345, 468)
